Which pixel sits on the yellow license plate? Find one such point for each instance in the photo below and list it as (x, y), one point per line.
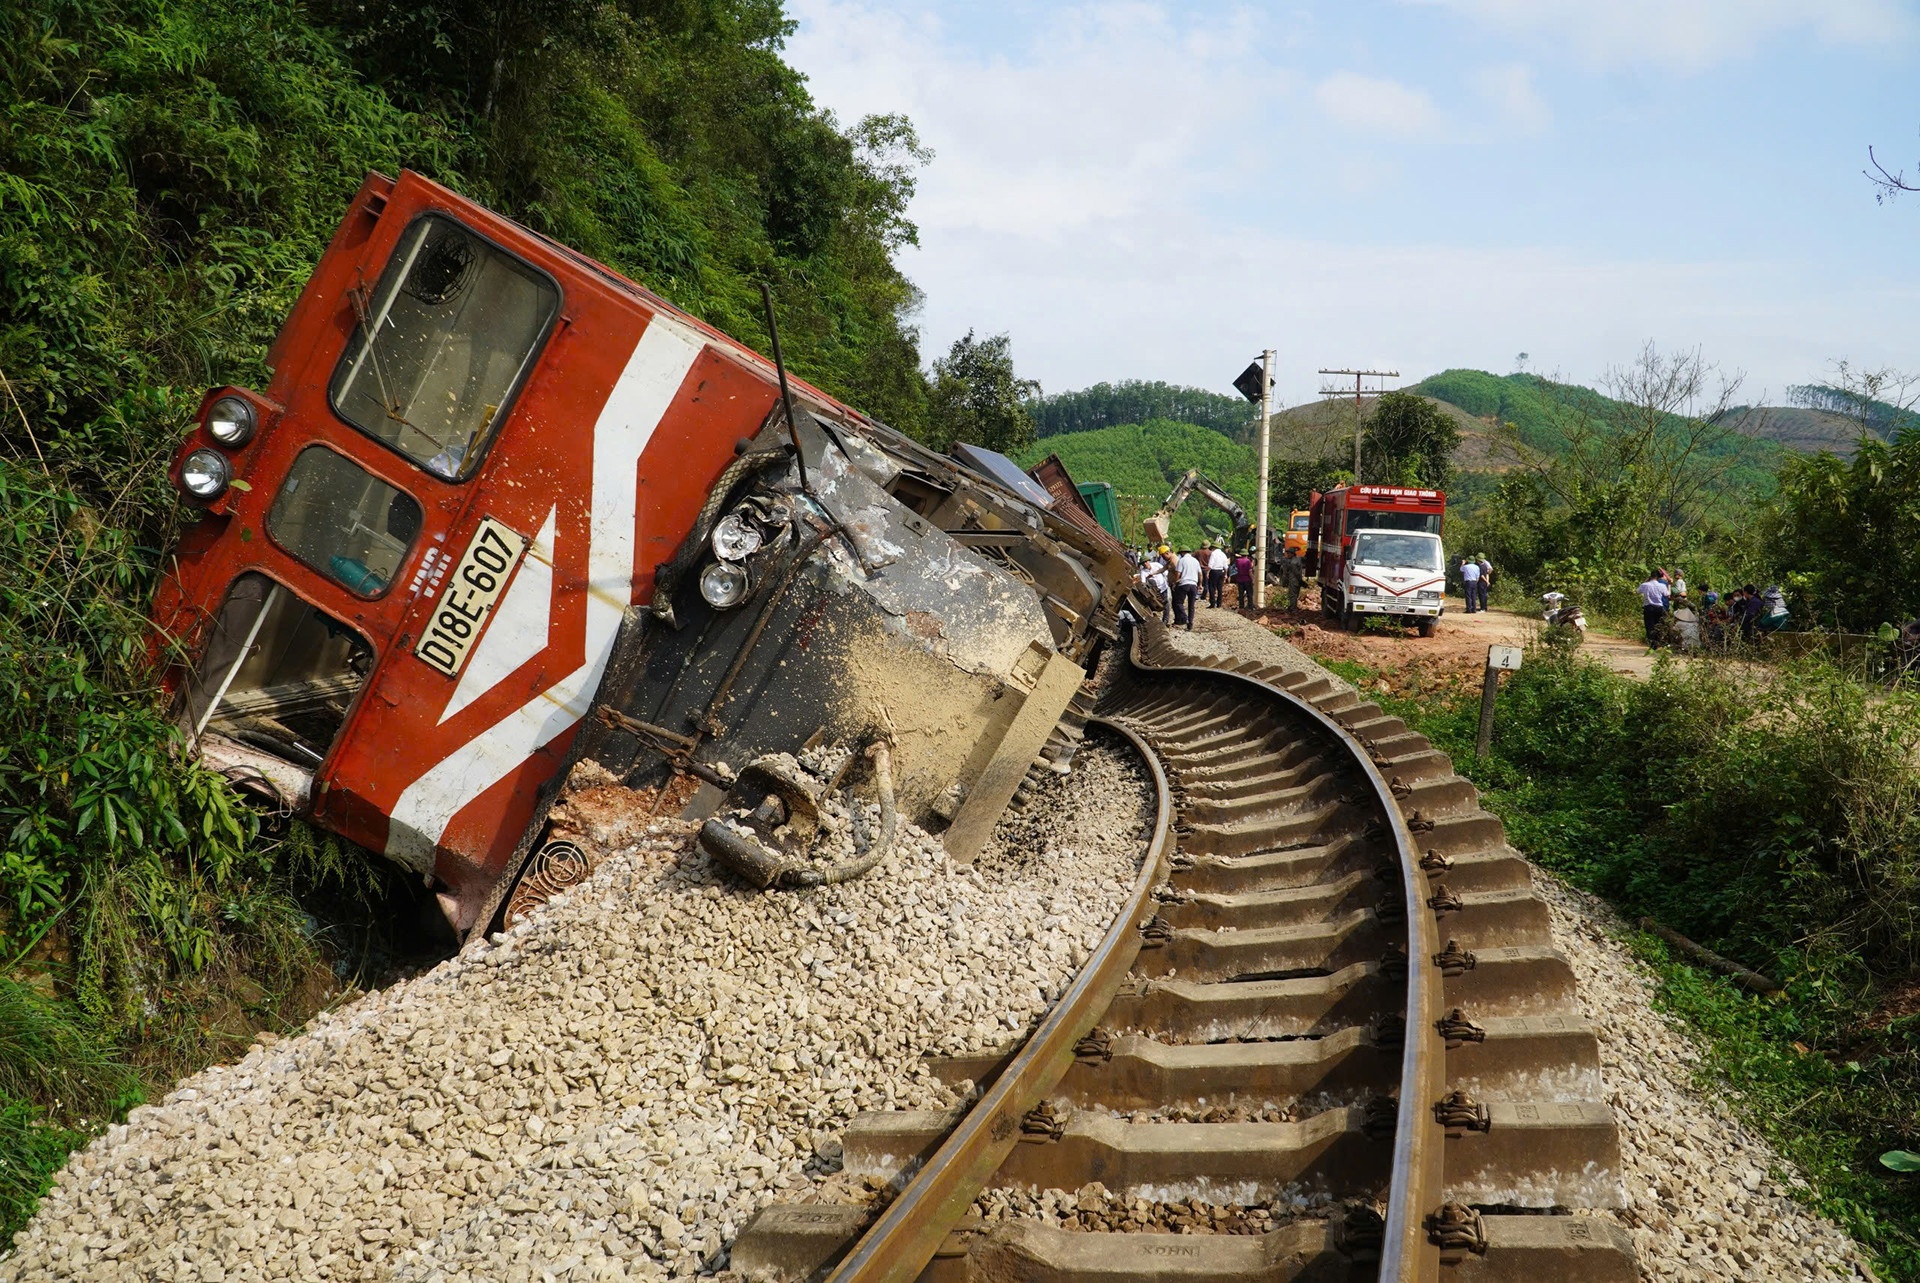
(471, 592)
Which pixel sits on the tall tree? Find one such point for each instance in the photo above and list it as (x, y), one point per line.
(1637, 471)
(977, 398)
(1409, 442)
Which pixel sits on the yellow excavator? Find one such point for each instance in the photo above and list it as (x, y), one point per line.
(1189, 485)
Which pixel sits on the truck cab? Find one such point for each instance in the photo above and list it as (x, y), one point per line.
(1378, 551)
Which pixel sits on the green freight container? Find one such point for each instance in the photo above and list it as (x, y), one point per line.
(1099, 497)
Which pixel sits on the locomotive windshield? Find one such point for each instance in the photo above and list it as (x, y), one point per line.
(455, 325)
(343, 521)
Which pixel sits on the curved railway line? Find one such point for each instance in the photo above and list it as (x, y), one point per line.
(1330, 956)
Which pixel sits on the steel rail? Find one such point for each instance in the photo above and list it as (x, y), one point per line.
(1419, 1153)
(898, 1245)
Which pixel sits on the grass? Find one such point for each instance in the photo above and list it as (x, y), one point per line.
(1830, 1075)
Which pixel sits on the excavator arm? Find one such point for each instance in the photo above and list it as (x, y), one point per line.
(1158, 524)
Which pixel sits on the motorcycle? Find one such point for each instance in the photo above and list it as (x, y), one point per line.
(1557, 612)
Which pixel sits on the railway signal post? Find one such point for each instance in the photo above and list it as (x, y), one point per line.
(1261, 374)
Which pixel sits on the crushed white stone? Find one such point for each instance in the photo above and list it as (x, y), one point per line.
(1708, 1198)
(612, 1088)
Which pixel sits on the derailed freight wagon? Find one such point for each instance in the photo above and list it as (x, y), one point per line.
(498, 509)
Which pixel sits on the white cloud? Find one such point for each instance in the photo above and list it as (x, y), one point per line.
(1117, 189)
(1510, 91)
(1688, 35)
(1373, 105)
(1102, 111)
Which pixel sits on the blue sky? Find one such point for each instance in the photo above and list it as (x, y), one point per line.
(1159, 190)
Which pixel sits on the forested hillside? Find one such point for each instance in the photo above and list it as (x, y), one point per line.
(169, 172)
(1106, 405)
(1143, 461)
(1545, 415)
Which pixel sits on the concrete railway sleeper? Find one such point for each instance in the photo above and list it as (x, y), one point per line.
(1327, 1038)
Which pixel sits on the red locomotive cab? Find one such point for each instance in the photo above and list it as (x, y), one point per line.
(422, 540)
(452, 438)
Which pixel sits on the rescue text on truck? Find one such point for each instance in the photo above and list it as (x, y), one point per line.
(498, 510)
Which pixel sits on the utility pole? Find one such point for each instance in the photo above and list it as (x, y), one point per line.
(1266, 443)
(1358, 375)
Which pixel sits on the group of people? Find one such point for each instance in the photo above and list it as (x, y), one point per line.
(1180, 580)
(1476, 581)
(1671, 617)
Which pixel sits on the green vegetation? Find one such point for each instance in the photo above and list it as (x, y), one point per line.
(1107, 405)
(170, 170)
(1845, 537)
(977, 398)
(1143, 461)
(1777, 824)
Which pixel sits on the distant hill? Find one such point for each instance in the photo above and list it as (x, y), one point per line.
(1799, 428)
(1540, 409)
(1133, 401)
(1143, 459)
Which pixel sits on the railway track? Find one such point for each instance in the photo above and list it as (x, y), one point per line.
(1327, 1037)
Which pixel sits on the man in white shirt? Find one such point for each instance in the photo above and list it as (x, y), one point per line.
(1186, 593)
(1470, 583)
(1654, 596)
(1217, 563)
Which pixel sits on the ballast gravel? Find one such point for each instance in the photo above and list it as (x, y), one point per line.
(612, 1088)
(1707, 1198)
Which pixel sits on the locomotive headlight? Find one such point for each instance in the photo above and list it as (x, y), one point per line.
(231, 421)
(205, 473)
(723, 584)
(735, 538)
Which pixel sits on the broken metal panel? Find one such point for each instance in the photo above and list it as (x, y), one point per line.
(876, 621)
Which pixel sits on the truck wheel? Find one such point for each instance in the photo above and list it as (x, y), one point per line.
(1427, 626)
(1353, 621)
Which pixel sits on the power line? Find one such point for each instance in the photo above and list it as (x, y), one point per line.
(1358, 393)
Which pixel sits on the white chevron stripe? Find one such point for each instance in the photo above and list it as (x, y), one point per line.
(639, 400)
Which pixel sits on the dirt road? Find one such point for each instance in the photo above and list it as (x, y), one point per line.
(1455, 653)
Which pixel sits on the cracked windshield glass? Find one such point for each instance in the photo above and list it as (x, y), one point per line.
(456, 323)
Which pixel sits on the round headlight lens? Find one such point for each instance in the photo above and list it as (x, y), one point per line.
(735, 538)
(230, 421)
(723, 585)
(205, 473)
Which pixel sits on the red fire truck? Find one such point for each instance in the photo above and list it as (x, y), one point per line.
(1377, 550)
(492, 487)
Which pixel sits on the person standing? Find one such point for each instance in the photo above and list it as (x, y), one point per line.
(1486, 581)
(1186, 591)
(1217, 563)
(1470, 583)
(1243, 580)
(1293, 574)
(1654, 596)
(1153, 573)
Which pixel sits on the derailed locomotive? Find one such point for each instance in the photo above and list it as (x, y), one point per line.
(499, 509)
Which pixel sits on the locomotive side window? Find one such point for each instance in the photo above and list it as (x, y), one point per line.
(343, 521)
(442, 345)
